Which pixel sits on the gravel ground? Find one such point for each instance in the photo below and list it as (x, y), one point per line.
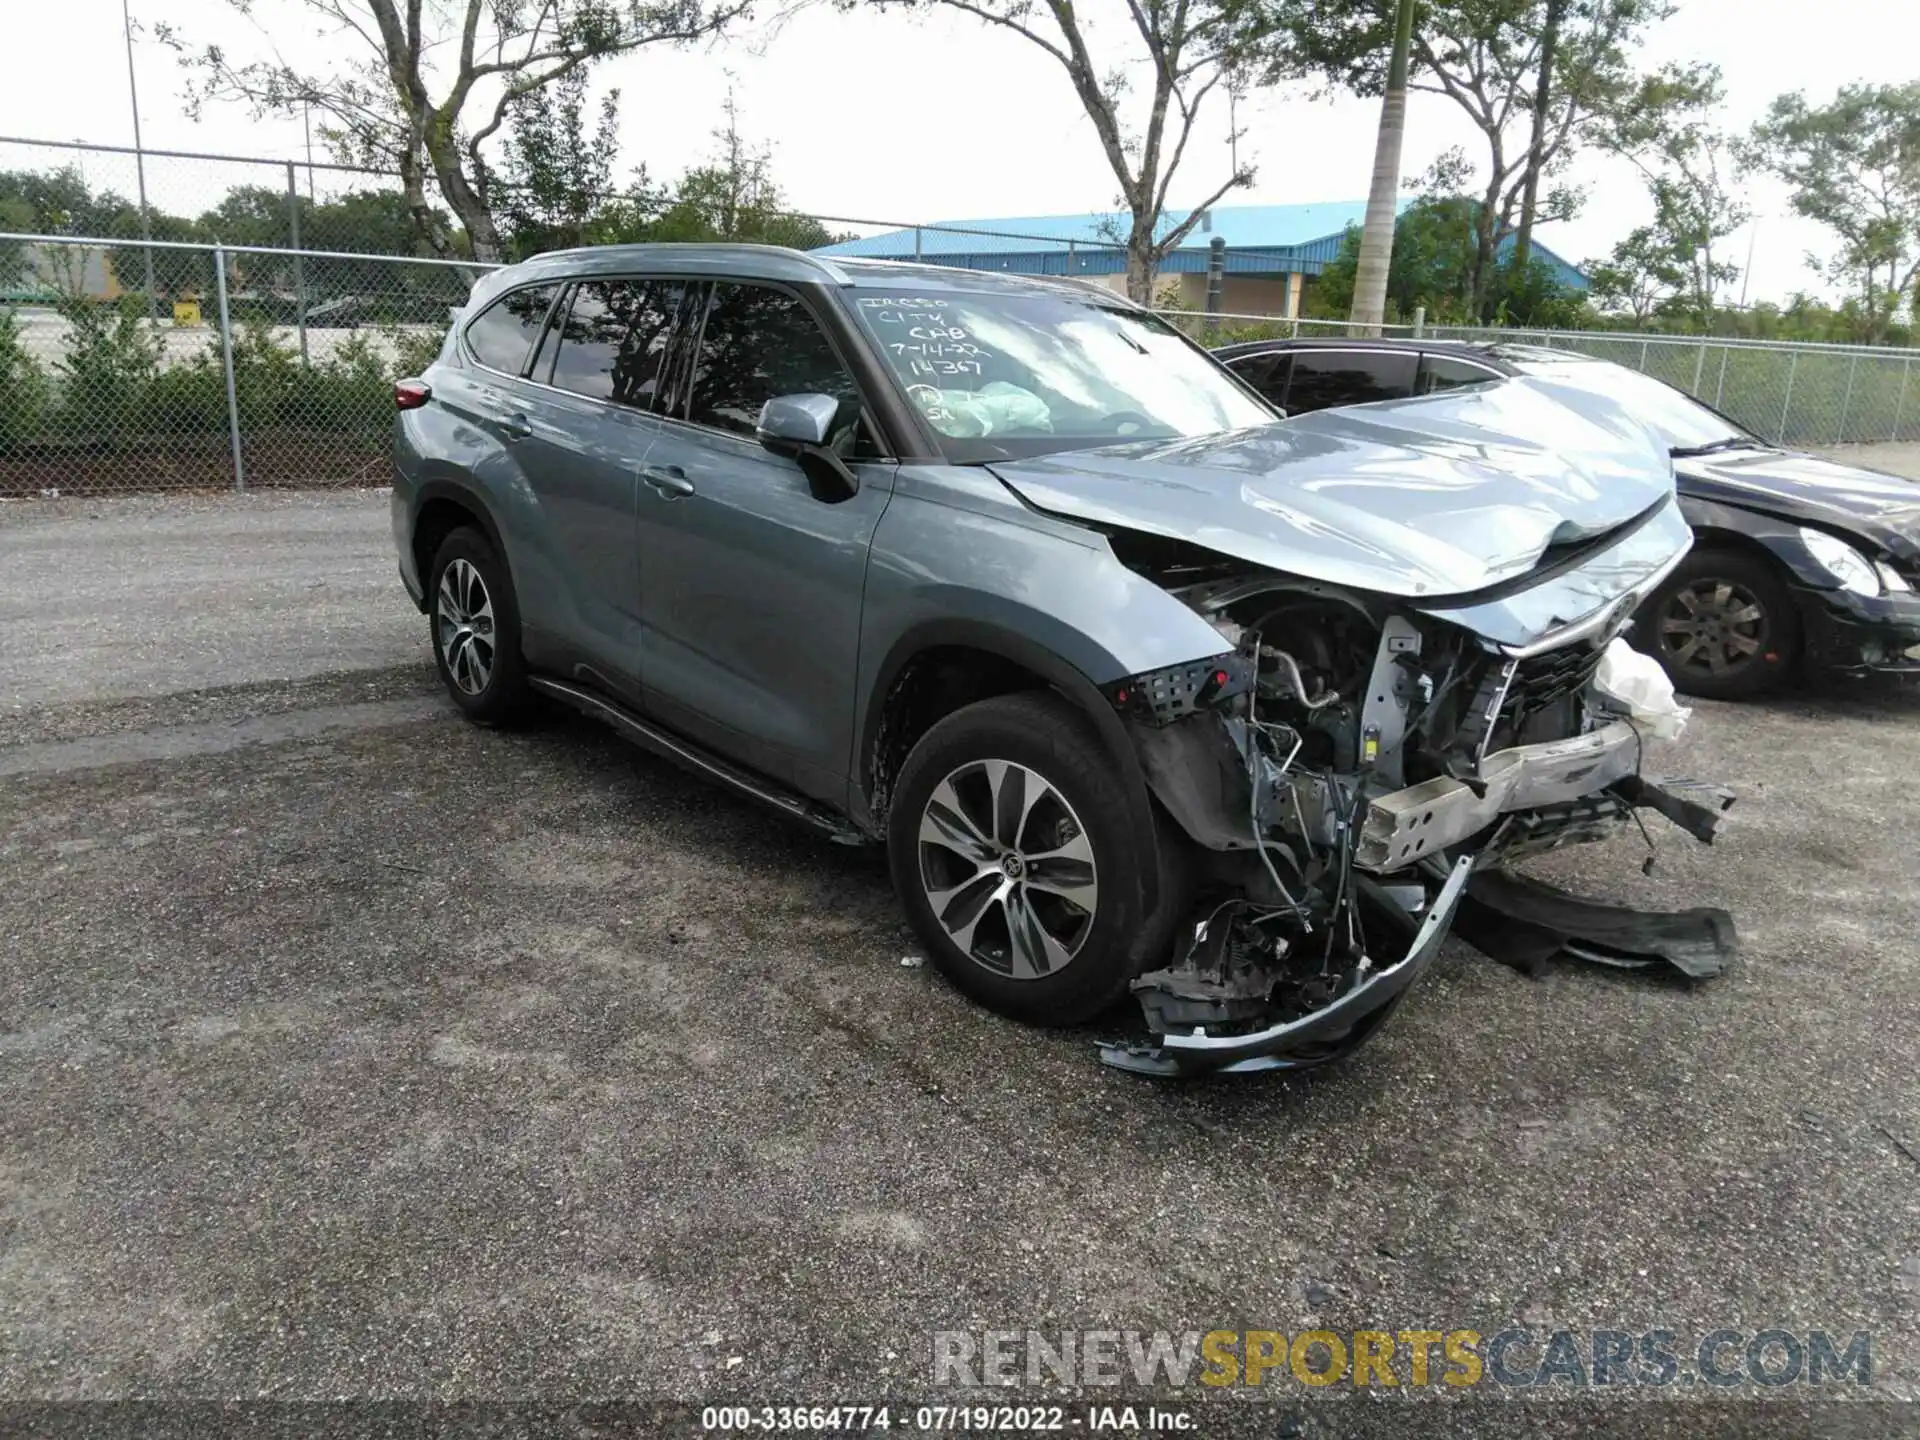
(348, 1051)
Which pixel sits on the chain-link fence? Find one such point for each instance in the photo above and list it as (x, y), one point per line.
(268, 368)
(71, 188)
(274, 367)
(1791, 393)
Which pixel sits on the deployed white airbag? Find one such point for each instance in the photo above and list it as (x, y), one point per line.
(993, 409)
(1636, 684)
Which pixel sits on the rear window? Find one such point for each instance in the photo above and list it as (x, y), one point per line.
(1323, 379)
(501, 335)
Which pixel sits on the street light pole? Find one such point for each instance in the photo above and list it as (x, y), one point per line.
(139, 160)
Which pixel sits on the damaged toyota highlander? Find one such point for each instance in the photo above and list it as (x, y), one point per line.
(1146, 689)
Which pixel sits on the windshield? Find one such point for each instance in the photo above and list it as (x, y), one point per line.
(1678, 419)
(1000, 376)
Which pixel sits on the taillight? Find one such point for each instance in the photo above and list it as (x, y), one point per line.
(411, 394)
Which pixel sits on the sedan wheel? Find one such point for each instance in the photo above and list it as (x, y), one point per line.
(1715, 627)
(1723, 625)
(1007, 869)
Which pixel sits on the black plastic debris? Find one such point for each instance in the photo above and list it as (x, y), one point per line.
(1527, 924)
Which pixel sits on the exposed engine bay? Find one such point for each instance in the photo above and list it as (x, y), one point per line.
(1355, 776)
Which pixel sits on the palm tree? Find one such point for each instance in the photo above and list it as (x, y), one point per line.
(1383, 199)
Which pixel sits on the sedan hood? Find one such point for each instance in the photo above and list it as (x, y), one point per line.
(1438, 495)
(1882, 508)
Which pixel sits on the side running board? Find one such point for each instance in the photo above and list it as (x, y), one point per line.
(702, 762)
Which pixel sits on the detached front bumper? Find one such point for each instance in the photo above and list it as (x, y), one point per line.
(1326, 1034)
(1849, 634)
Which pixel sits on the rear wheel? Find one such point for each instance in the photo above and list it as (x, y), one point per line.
(1014, 856)
(476, 629)
(1723, 625)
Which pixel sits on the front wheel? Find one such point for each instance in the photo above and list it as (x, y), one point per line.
(1012, 852)
(1723, 625)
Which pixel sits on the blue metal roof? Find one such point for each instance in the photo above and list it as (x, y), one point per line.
(1261, 240)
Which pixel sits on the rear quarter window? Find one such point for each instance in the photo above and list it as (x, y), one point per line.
(502, 335)
(1323, 379)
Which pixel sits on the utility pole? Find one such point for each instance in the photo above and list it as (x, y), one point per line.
(1549, 42)
(1383, 197)
(139, 160)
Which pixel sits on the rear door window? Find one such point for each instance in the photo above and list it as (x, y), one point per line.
(1265, 373)
(614, 340)
(502, 335)
(1445, 372)
(1326, 378)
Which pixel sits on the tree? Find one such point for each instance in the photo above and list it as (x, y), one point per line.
(1666, 131)
(734, 197)
(1190, 47)
(1854, 166)
(1486, 56)
(434, 85)
(555, 175)
(1383, 197)
(1432, 269)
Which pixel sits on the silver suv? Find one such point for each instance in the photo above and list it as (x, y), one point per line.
(1144, 687)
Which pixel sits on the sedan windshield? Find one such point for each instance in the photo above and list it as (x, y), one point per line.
(1687, 426)
(1000, 376)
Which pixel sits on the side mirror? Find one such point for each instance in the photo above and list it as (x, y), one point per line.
(789, 422)
(799, 427)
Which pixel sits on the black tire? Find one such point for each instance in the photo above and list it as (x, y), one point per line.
(1752, 588)
(1047, 738)
(503, 696)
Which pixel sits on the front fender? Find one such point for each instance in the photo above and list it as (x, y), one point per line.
(1780, 538)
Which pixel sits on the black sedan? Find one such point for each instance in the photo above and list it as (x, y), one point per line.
(1799, 563)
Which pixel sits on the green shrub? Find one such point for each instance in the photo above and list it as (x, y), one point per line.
(414, 350)
(24, 392)
(349, 393)
(189, 399)
(112, 357)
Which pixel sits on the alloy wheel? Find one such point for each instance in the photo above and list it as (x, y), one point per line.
(1007, 868)
(464, 615)
(1713, 627)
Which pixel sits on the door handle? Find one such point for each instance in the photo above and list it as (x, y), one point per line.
(670, 481)
(516, 427)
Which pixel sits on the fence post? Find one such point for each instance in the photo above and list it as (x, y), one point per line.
(1419, 321)
(1643, 356)
(916, 242)
(1699, 368)
(226, 363)
(1846, 401)
(1786, 402)
(1720, 385)
(299, 267)
(1216, 280)
(1900, 405)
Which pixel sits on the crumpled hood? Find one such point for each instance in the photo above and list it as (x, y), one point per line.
(1437, 495)
(1883, 508)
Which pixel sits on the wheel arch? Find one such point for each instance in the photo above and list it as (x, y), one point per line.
(441, 507)
(1776, 541)
(897, 713)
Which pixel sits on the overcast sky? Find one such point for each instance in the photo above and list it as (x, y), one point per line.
(940, 118)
